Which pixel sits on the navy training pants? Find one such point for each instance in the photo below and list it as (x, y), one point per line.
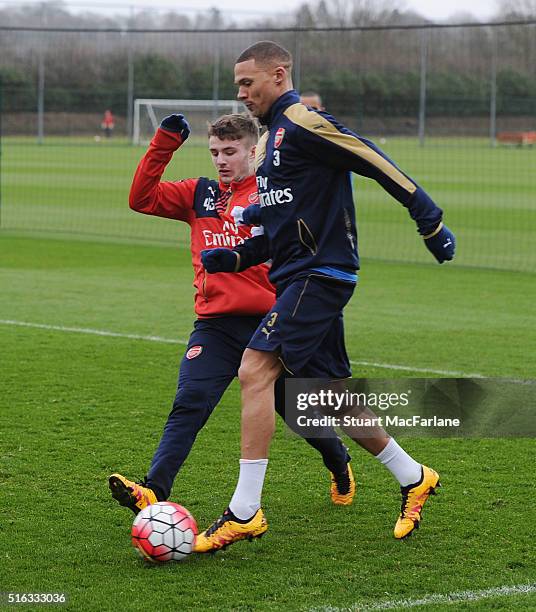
(208, 367)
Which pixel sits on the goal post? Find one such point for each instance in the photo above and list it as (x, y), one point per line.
(149, 112)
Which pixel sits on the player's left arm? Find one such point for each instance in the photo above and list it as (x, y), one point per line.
(148, 193)
(332, 143)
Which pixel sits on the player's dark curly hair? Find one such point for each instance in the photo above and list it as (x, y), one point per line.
(234, 127)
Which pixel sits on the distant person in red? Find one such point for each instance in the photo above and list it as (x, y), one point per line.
(107, 124)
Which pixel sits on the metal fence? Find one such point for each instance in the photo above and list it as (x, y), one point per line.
(405, 81)
(435, 98)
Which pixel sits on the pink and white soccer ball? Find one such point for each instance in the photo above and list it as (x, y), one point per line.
(164, 532)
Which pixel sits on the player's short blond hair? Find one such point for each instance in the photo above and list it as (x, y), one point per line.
(235, 127)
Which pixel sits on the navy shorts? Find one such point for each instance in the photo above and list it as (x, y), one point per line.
(305, 326)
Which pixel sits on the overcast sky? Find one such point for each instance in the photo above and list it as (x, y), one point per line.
(437, 10)
(432, 9)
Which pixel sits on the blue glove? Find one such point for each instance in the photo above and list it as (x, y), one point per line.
(247, 216)
(442, 245)
(178, 124)
(219, 260)
(252, 215)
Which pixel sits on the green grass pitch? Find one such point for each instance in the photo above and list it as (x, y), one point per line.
(487, 193)
(77, 406)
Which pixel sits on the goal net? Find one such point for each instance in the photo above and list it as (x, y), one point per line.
(148, 114)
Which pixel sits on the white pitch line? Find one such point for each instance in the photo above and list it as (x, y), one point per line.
(392, 366)
(93, 332)
(447, 598)
(504, 591)
(111, 334)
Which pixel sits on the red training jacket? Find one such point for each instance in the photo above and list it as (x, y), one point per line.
(194, 201)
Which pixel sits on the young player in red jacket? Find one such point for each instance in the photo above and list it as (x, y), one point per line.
(229, 307)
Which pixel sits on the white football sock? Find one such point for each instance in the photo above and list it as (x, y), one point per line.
(247, 496)
(403, 467)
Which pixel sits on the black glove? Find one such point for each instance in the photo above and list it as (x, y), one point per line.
(178, 124)
(219, 260)
(442, 245)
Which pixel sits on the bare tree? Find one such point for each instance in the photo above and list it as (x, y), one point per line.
(523, 9)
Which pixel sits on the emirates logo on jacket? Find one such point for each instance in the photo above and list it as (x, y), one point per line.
(229, 237)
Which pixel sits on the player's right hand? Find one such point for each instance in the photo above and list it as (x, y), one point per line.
(178, 124)
(252, 215)
(441, 244)
(247, 216)
(219, 260)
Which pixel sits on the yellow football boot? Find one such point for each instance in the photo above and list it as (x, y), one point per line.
(343, 487)
(413, 499)
(228, 530)
(133, 495)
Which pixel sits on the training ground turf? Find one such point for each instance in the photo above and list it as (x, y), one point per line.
(76, 406)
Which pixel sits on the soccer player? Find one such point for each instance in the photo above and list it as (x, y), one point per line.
(229, 308)
(303, 163)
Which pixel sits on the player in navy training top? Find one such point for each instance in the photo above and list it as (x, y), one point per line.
(303, 163)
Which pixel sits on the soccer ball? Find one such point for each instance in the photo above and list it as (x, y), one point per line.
(164, 532)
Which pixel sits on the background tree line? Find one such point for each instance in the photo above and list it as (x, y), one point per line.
(377, 72)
